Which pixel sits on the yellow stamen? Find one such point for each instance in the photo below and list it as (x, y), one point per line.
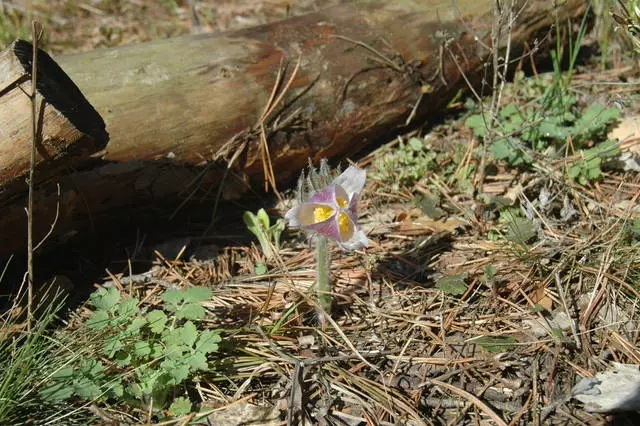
(341, 202)
(322, 213)
(344, 223)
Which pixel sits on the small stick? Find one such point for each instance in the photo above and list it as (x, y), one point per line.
(34, 132)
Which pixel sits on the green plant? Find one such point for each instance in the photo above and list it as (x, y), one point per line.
(544, 125)
(12, 25)
(496, 343)
(453, 284)
(587, 167)
(408, 163)
(145, 356)
(25, 359)
(268, 236)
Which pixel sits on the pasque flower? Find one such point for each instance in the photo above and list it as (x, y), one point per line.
(332, 211)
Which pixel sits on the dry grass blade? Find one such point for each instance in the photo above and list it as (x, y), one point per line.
(472, 399)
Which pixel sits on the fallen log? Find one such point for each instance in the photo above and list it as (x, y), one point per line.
(321, 85)
(70, 129)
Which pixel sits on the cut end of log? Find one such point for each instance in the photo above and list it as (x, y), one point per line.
(60, 91)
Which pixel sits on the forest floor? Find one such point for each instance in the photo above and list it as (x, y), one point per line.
(503, 268)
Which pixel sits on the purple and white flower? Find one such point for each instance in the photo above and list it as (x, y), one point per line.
(333, 210)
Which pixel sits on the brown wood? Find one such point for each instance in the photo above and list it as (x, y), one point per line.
(70, 127)
(174, 106)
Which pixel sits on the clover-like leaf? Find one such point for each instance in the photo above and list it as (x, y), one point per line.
(453, 284)
(188, 333)
(476, 123)
(197, 361)
(98, 320)
(208, 341)
(105, 298)
(173, 297)
(135, 325)
(142, 349)
(123, 358)
(128, 308)
(197, 294)
(191, 311)
(180, 406)
(112, 344)
(157, 320)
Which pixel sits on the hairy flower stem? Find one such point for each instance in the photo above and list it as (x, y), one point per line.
(323, 285)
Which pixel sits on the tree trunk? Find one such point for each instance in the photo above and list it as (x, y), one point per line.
(322, 85)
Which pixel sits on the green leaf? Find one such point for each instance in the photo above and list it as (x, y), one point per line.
(191, 311)
(453, 284)
(60, 386)
(597, 116)
(92, 368)
(476, 123)
(509, 110)
(105, 298)
(489, 272)
(56, 392)
(128, 308)
(178, 373)
(261, 268)
(429, 206)
(496, 343)
(180, 406)
(86, 388)
(188, 334)
(135, 325)
(416, 144)
(510, 151)
(520, 230)
(251, 221)
(116, 390)
(157, 320)
(172, 338)
(208, 341)
(173, 297)
(123, 358)
(134, 389)
(112, 344)
(142, 349)
(197, 294)
(197, 361)
(98, 320)
(537, 308)
(263, 219)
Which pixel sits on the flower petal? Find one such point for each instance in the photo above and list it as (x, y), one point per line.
(353, 204)
(326, 195)
(329, 228)
(352, 180)
(341, 196)
(357, 241)
(293, 216)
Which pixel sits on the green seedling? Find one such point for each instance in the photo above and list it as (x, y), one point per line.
(268, 236)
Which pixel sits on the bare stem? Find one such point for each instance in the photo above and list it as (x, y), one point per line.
(34, 131)
(323, 285)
